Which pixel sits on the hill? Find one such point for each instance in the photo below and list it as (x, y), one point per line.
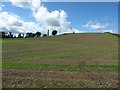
(56, 58)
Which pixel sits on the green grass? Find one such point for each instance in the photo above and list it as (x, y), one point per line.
(72, 48)
(61, 67)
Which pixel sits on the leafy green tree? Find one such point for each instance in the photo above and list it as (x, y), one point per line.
(20, 35)
(3, 35)
(54, 32)
(44, 35)
(38, 34)
(10, 35)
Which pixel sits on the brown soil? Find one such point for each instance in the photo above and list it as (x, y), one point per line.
(19, 77)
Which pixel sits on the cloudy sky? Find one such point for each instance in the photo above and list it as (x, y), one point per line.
(65, 17)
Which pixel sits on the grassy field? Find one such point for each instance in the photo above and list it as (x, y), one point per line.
(63, 61)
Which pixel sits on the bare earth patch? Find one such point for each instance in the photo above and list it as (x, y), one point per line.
(29, 77)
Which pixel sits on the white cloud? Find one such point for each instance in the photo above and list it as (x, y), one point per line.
(77, 31)
(12, 23)
(96, 25)
(29, 4)
(18, 3)
(49, 20)
(106, 31)
(53, 20)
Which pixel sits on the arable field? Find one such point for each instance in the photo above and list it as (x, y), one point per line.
(86, 60)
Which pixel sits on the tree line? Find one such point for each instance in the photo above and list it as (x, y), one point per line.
(22, 35)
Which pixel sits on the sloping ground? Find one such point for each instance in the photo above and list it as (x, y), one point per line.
(93, 56)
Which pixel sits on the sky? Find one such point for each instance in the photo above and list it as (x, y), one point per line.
(65, 17)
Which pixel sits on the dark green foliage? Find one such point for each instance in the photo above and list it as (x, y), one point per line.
(54, 32)
(44, 35)
(20, 35)
(3, 34)
(10, 35)
(7, 35)
(38, 34)
(30, 34)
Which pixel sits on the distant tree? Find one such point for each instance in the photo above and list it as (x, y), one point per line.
(44, 35)
(10, 35)
(38, 34)
(27, 35)
(30, 34)
(23, 34)
(33, 34)
(20, 36)
(54, 32)
(0, 34)
(14, 36)
(3, 35)
(6, 34)
(107, 32)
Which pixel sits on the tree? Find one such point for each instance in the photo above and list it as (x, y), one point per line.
(30, 34)
(14, 36)
(10, 35)
(3, 35)
(54, 32)
(19, 35)
(0, 34)
(33, 34)
(38, 34)
(27, 34)
(23, 34)
(7, 35)
(44, 35)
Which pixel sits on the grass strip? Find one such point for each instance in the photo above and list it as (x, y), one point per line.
(61, 67)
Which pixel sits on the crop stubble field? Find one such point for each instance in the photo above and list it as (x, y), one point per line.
(86, 60)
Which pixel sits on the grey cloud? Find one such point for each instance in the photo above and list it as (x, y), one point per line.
(4, 29)
(19, 24)
(52, 22)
